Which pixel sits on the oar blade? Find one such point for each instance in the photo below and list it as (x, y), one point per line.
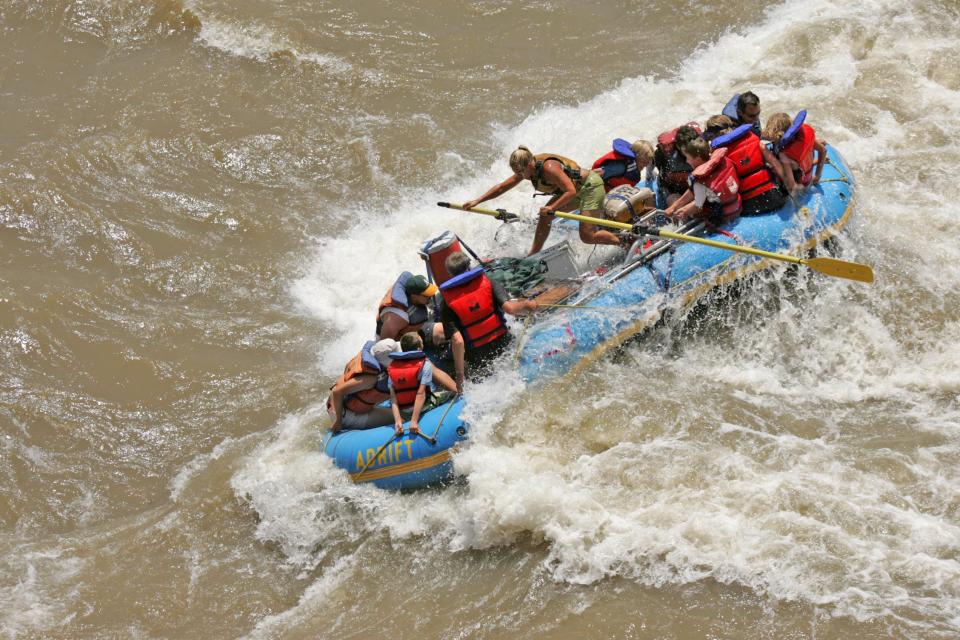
(841, 269)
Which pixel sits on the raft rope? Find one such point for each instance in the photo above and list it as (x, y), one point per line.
(523, 333)
(375, 456)
(579, 306)
(432, 439)
(843, 177)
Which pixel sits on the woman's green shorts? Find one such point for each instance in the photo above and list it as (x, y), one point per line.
(591, 195)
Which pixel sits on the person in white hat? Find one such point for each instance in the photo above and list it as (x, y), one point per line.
(364, 385)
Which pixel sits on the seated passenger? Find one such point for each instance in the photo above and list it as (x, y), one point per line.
(404, 308)
(625, 164)
(713, 195)
(794, 143)
(716, 126)
(671, 165)
(643, 150)
(744, 108)
(411, 377)
(569, 187)
(758, 186)
(471, 311)
(363, 385)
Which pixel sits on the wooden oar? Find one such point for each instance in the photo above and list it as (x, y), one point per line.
(827, 266)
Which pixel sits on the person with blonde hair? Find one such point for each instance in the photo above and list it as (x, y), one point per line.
(568, 186)
(625, 163)
(794, 144)
(716, 126)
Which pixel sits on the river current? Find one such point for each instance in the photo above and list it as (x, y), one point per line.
(202, 201)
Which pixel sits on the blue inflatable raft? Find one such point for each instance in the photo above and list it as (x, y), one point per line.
(631, 298)
(601, 311)
(405, 462)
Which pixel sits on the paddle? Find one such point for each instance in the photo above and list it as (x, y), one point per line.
(375, 456)
(499, 214)
(827, 266)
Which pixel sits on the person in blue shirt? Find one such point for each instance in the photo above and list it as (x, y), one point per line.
(412, 377)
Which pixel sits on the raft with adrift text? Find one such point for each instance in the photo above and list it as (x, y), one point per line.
(409, 461)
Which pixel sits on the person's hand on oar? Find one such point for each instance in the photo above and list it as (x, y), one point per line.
(414, 428)
(398, 429)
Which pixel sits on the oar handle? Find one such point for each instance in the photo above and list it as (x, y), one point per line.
(499, 214)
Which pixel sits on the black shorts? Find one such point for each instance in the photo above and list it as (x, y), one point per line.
(764, 203)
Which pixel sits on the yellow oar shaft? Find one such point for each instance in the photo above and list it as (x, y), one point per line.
(829, 266)
(679, 236)
(496, 213)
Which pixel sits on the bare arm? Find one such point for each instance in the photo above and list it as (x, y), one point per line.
(682, 201)
(773, 163)
(459, 349)
(687, 211)
(418, 407)
(440, 377)
(821, 158)
(340, 391)
(392, 327)
(788, 180)
(516, 307)
(495, 191)
(395, 408)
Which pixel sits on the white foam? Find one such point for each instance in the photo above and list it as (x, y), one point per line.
(257, 42)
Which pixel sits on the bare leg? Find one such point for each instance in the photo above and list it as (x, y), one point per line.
(591, 234)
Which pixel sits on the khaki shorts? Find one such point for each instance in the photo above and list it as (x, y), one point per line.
(591, 195)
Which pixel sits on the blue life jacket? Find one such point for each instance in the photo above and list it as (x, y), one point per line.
(730, 110)
(792, 132)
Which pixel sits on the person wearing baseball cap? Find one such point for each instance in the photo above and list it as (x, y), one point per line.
(404, 309)
(418, 286)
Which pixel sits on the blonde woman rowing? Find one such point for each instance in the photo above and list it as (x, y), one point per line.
(569, 186)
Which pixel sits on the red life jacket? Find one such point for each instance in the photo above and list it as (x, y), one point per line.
(720, 176)
(800, 150)
(673, 167)
(404, 373)
(630, 177)
(363, 364)
(743, 150)
(470, 297)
